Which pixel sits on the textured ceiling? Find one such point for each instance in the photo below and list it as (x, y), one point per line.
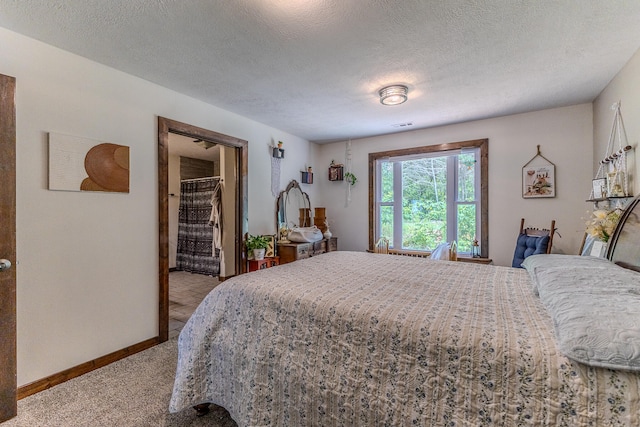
(313, 67)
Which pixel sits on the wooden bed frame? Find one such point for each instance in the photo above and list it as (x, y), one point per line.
(624, 245)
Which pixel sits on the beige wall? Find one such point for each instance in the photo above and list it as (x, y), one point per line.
(625, 87)
(565, 136)
(87, 263)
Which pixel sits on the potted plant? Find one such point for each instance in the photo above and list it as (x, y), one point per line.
(350, 178)
(258, 245)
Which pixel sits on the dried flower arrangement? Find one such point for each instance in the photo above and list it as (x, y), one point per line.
(602, 223)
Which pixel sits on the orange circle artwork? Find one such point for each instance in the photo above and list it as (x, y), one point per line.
(108, 168)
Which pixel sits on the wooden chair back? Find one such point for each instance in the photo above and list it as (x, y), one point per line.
(540, 232)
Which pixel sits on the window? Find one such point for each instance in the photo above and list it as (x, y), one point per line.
(427, 195)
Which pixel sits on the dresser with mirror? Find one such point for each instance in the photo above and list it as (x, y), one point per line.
(293, 209)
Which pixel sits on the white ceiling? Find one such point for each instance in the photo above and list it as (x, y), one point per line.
(313, 67)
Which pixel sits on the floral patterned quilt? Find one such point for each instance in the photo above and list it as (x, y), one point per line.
(360, 339)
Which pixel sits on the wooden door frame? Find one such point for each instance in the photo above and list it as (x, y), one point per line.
(166, 126)
(8, 346)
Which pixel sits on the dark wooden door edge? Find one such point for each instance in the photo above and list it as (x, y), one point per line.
(76, 371)
(8, 343)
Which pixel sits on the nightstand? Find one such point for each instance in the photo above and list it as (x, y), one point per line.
(261, 264)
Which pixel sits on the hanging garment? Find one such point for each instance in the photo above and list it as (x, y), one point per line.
(216, 222)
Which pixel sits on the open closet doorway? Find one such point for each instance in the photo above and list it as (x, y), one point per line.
(226, 158)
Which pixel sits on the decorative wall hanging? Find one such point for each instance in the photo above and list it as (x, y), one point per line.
(538, 177)
(275, 176)
(82, 164)
(611, 180)
(336, 171)
(348, 172)
(275, 168)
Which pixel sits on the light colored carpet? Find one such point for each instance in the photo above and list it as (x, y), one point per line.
(131, 392)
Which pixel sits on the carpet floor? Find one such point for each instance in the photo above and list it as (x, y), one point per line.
(134, 391)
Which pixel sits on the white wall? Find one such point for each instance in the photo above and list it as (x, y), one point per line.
(625, 87)
(565, 136)
(87, 263)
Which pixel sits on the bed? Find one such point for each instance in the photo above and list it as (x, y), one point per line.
(362, 339)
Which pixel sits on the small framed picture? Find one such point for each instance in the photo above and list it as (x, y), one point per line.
(271, 249)
(598, 249)
(538, 181)
(599, 188)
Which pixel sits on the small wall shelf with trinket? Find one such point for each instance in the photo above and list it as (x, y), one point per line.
(610, 187)
(336, 172)
(307, 177)
(278, 151)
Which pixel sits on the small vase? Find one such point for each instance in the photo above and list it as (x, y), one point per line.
(327, 234)
(258, 254)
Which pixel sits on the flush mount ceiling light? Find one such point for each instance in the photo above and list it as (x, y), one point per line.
(204, 144)
(393, 95)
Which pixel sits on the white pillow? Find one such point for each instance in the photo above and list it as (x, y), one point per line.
(441, 252)
(534, 264)
(595, 312)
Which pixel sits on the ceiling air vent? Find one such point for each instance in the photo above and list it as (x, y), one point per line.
(402, 125)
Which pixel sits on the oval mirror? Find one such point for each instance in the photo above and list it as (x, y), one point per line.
(293, 207)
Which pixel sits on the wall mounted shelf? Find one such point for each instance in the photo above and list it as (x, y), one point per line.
(306, 178)
(612, 202)
(336, 173)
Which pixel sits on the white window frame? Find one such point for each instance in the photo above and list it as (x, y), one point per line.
(480, 149)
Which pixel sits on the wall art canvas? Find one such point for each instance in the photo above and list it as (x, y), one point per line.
(538, 177)
(538, 181)
(82, 164)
